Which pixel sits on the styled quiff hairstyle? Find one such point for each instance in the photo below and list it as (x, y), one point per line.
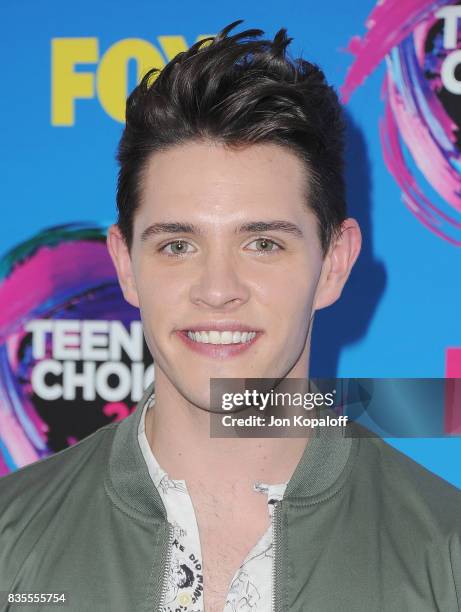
(238, 91)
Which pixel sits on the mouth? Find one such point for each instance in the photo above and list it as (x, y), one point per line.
(219, 344)
(214, 336)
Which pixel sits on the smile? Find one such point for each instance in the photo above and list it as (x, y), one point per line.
(223, 337)
(219, 344)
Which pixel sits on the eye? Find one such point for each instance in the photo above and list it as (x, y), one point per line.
(178, 248)
(267, 245)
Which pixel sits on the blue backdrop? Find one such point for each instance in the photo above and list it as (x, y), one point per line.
(66, 71)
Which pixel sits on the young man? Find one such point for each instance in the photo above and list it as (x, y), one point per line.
(232, 232)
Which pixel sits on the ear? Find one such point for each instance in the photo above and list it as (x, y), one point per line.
(337, 264)
(121, 258)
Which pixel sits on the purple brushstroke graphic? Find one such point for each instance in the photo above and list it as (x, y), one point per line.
(63, 273)
(422, 116)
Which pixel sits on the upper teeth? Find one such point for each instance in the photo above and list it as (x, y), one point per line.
(225, 337)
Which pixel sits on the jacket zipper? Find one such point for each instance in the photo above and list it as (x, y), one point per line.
(276, 558)
(168, 556)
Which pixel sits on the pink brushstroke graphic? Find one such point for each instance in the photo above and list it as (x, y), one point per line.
(389, 23)
(63, 273)
(58, 273)
(422, 117)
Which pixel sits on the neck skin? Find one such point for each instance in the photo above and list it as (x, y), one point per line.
(178, 433)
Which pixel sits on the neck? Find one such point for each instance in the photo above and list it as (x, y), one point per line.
(179, 435)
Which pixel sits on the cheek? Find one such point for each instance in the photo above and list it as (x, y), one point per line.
(157, 289)
(154, 310)
(286, 294)
(160, 298)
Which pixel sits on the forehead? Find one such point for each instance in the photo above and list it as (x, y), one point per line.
(209, 177)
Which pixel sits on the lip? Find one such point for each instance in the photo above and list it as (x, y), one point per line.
(218, 351)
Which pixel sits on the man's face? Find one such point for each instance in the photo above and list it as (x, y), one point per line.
(264, 281)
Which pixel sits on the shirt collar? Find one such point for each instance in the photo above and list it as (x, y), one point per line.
(321, 469)
(157, 473)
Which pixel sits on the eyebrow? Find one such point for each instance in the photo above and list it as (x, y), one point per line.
(252, 226)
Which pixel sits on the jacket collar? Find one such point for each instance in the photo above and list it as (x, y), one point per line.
(321, 470)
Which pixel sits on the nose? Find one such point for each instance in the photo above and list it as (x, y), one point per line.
(219, 283)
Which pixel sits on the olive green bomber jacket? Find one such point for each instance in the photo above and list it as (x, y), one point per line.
(361, 528)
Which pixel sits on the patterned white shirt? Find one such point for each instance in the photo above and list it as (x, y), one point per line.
(250, 588)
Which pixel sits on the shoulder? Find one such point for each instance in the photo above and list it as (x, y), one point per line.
(416, 513)
(35, 500)
(37, 484)
(403, 483)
